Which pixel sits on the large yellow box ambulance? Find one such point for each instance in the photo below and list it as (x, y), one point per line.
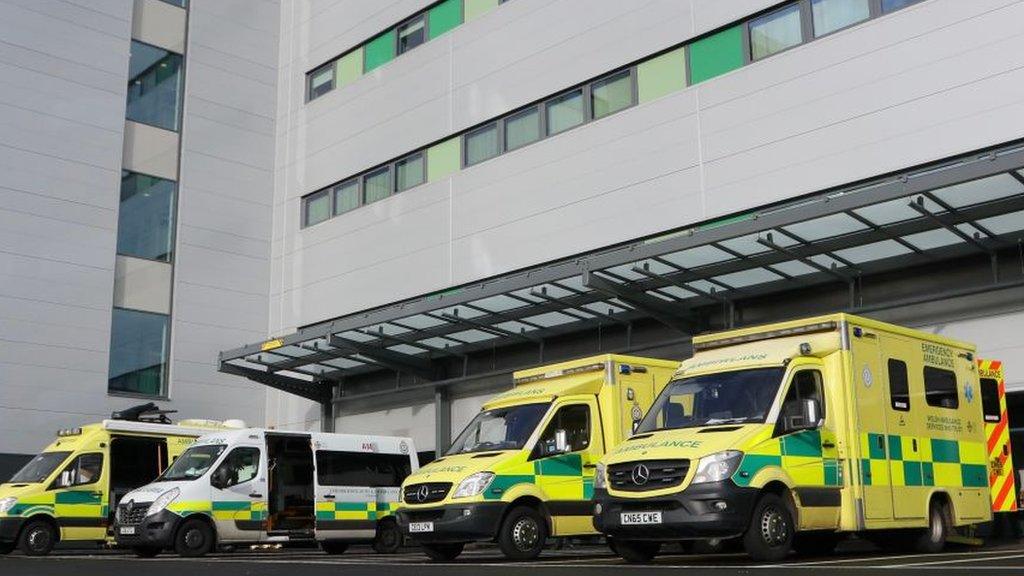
(523, 468)
(67, 492)
(794, 434)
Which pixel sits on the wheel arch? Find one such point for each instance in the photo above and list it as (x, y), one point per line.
(530, 501)
(202, 517)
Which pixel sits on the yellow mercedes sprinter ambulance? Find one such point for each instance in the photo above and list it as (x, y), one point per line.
(258, 486)
(67, 492)
(523, 468)
(794, 434)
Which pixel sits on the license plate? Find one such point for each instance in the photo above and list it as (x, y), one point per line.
(127, 530)
(634, 518)
(421, 527)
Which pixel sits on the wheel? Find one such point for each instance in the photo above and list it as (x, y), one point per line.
(443, 552)
(770, 534)
(334, 547)
(147, 551)
(38, 538)
(388, 539)
(522, 534)
(933, 539)
(194, 538)
(816, 543)
(637, 552)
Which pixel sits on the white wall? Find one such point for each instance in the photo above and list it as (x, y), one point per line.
(415, 421)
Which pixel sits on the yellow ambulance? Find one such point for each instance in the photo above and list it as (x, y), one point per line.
(795, 434)
(523, 468)
(997, 435)
(67, 492)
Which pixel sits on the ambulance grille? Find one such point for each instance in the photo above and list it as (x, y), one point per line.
(426, 493)
(647, 475)
(131, 514)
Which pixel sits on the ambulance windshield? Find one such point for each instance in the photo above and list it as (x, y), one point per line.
(737, 397)
(193, 463)
(500, 429)
(39, 468)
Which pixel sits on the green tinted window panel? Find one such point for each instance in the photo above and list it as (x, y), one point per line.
(716, 54)
(350, 67)
(379, 51)
(661, 76)
(477, 8)
(444, 17)
(442, 159)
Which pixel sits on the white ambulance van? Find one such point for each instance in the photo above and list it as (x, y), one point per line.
(259, 486)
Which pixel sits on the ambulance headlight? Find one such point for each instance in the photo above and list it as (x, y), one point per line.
(163, 501)
(473, 485)
(6, 504)
(717, 467)
(600, 477)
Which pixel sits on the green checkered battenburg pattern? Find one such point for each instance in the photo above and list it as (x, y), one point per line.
(554, 475)
(63, 504)
(800, 454)
(935, 462)
(354, 510)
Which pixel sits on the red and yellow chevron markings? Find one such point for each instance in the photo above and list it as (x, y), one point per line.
(1000, 478)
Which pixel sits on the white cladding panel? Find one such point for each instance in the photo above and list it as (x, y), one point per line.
(416, 422)
(933, 80)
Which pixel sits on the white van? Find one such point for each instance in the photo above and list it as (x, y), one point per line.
(259, 486)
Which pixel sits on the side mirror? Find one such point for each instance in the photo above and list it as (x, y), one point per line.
(809, 416)
(561, 441)
(636, 425)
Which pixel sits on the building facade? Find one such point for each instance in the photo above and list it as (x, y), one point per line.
(137, 156)
(375, 211)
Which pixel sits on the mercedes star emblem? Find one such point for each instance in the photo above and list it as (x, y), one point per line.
(641, 474)
(423, 493)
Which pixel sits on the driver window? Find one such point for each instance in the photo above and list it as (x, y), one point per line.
(806, 385)
(575, 420)
(240, 466)
(85, 469)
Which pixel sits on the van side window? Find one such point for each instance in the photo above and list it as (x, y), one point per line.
(575, 420)
(806, 385)
(899, 385)
(990, 400)
(335, 468)
(239, 466)
(940, 388)
(85, 469)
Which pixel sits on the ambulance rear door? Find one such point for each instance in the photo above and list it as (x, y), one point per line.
(997, 435)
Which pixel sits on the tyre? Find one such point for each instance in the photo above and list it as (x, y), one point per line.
(194, 539)
(388, 539)
(522, 534)
(38, 538)
(443, 552)
(637, 552)
(816, 543)
(147, 551)
(933, 539)
(333, 547)
(770, 534)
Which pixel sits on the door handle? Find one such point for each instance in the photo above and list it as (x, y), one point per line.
(881, 442)
(590, 466)
(828, 445)
(913, 443)
(255, 495)
(328, 496)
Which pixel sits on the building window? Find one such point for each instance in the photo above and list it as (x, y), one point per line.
(138, 352)
(377, 185)
(481, 144)
(522, 128)
(775, 32)
(154, 86)
(940, 388)
(611, 94)
(565, 111)
(412, 34)
(893, 5)
(832, 15)
(145, 220)
(899, 385)
(346, 197)
(321, 81)
(317, 208)
(410, 171)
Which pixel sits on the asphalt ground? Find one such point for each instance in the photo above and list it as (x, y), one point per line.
(582, 560)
